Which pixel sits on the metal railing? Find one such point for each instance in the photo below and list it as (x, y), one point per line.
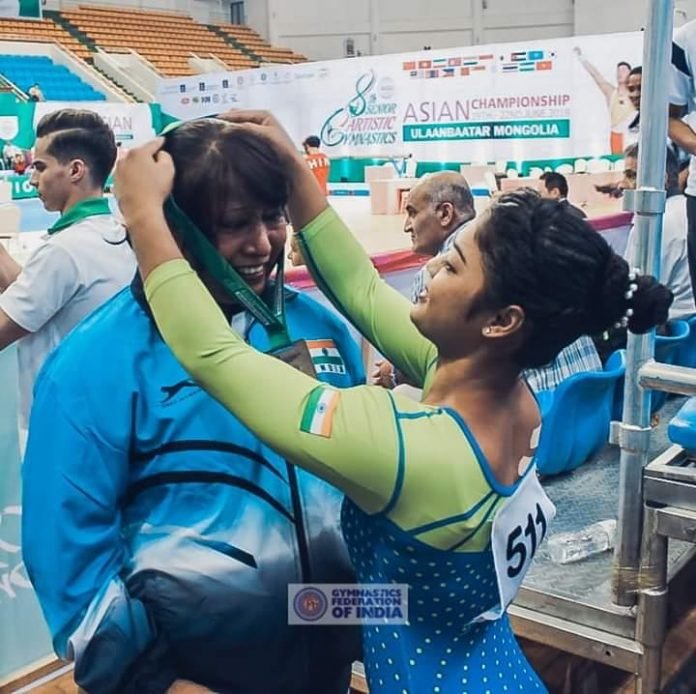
(648, 203)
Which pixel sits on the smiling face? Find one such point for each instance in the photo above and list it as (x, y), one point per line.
(251, 239)
(451, 310)
(633, 87)
(232, 186)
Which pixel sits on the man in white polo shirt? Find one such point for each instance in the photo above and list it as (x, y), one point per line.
(85, 258)
(681, 130)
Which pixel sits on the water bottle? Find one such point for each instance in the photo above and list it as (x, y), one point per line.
(565, 548)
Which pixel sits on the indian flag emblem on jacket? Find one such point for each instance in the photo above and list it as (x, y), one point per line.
(319, 411)
(326, 357)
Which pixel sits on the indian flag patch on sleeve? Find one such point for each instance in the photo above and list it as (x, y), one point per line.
(326, 357)
(319, 411)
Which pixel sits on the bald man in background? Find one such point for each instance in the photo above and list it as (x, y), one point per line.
(437, 208)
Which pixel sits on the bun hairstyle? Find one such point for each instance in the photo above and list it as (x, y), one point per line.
(643, 305)
(563, 274)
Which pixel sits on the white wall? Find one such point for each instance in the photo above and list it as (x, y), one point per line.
(205, 11)
(604, 16)
(257, 16)
(507, 20)
(319, 28)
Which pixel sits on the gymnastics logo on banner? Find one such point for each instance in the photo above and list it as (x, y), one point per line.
(368, 118)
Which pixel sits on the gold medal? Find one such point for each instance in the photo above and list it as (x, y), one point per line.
(297, 355)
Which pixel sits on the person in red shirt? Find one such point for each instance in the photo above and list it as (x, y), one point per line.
(20, 163)
(317, 161)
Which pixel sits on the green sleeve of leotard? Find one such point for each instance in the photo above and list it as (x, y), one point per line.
(386, 452)
(344, 272)
(352, 438)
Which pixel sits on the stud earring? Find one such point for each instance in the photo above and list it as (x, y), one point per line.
(487, 330)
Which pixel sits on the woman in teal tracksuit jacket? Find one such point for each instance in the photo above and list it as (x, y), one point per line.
(159, 532)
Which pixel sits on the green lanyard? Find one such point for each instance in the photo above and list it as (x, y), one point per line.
(90, 207)
(273, 319)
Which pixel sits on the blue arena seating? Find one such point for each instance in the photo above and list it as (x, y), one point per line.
(667, 351)
(576, 415)
(686, 355)
(56, 82)
(682, 427)
(673, 348)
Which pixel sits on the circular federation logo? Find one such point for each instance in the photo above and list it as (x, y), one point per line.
(310, 604)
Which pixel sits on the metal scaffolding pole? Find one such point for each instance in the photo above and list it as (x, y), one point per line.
(648, 203)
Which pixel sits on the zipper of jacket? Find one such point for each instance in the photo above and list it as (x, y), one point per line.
(300, 531)
(297, 510)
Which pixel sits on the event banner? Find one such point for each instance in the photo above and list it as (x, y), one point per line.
(545, 99)
(23, 190)
(20, 8)
(132, 123)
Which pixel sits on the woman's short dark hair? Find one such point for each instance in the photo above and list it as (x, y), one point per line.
(80, 134)
(563, 274)
(216, 161)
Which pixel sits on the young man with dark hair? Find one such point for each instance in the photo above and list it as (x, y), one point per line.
(674, 263)
(556, 188)
(634, 86)
(317, 161)
(85, 258)
(682, 128)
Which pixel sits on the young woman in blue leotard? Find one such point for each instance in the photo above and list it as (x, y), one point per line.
(441, 495)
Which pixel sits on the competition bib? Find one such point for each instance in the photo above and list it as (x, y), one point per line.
(519, 528)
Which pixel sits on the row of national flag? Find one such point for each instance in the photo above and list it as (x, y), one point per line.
(463, 66)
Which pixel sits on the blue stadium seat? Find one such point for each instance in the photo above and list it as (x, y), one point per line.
(669, 349)
(56, 81)
(682, 428)
(576, 415)
(686, 356)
